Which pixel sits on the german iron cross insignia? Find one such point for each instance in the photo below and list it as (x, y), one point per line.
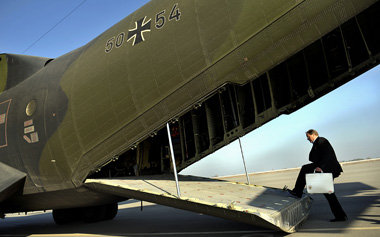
(137, 34)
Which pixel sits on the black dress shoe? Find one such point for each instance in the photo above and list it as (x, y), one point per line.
(339, 219)
(294, 193)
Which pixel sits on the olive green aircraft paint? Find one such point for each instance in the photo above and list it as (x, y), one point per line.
(10, 65)
(114, 84)
(68, 117)
(3, 72)
(108, 90)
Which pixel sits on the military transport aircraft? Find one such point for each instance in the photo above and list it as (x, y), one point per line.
(210, 71)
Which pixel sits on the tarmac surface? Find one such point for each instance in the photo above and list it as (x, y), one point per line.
(357, 190)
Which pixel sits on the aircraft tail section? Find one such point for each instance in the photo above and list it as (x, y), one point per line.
(15, 68)
(255, 205)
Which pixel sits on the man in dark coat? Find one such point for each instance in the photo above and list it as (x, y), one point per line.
(323, 159)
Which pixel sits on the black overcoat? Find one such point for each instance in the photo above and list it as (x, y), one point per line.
(323, 156)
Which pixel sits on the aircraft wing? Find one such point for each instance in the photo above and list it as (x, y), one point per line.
(11, 181)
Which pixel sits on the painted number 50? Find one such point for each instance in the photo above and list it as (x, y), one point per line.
(118, 43)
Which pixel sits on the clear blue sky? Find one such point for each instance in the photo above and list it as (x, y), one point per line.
(348, 116)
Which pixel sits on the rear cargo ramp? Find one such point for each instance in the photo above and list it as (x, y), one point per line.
(256, 205)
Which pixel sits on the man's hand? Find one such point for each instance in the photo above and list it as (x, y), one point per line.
(318, 169)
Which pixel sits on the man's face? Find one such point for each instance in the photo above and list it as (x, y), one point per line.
(310, 138)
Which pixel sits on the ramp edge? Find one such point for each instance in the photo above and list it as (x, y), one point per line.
(286, 220)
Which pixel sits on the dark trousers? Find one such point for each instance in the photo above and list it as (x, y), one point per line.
(335, 206)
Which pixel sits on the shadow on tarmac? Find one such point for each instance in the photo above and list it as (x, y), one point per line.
(157, 220)
(154, 220)
(355, 198)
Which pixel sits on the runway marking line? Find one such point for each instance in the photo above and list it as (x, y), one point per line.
(202, 233)
(155, 234)
(343, 228)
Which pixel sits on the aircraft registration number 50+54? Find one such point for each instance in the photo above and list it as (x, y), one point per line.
(136, 35)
